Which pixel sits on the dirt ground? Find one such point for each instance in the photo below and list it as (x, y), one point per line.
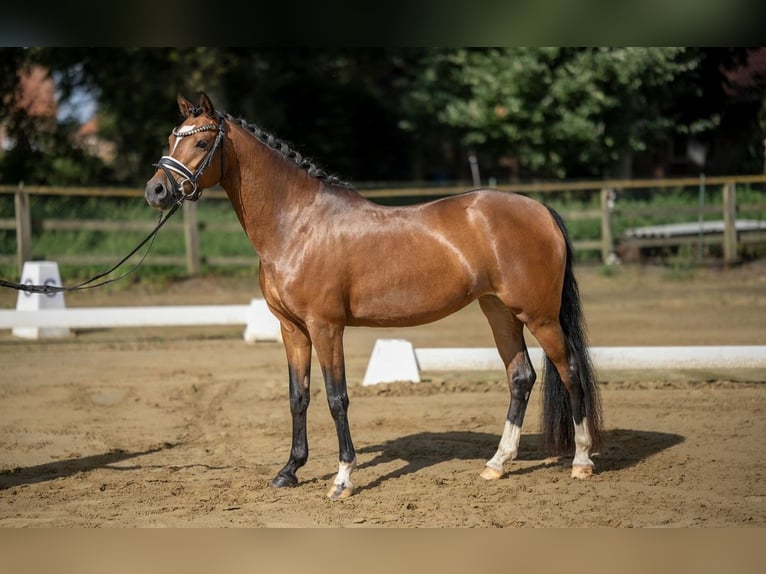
(187, 426)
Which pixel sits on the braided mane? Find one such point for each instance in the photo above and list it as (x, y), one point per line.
(287, 152)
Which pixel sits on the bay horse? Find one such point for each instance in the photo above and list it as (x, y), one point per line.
(331, 259)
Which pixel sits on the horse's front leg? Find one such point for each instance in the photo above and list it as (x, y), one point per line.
(328, 340)
(298, 348)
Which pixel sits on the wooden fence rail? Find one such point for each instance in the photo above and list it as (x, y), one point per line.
(608, 190)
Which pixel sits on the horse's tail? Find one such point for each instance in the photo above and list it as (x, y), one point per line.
(558, 425)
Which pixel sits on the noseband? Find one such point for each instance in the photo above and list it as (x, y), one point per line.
(170, 164)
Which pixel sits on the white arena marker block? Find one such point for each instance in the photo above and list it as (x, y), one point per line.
(392, 360)
(40, 273)
(469, 359)
(262, 325)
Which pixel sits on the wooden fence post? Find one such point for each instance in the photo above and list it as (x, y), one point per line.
(730, 247)
(23, 227)
(607, 240)
(191, 237)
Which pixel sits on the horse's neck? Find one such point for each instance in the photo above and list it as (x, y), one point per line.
(267, 193)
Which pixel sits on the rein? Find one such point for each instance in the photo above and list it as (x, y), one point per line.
(89, 284)
(167, 164)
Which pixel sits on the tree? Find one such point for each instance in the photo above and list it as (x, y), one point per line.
(337, 105)
(387, 114)
(334, 104)
(38, 148)
(136, 90)
(561, 112)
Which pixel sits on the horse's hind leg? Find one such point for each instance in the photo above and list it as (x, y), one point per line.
(551, 338)
(509, 338)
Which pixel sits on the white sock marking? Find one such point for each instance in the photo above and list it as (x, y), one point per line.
(582, 444)
(508, 447)
(344, 474)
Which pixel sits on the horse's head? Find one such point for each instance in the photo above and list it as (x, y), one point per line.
(195, 158)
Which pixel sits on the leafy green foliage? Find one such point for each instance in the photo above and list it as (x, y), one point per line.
(394, 114)
(559, 111)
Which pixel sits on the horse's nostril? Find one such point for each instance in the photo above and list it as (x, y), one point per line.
(160, 191)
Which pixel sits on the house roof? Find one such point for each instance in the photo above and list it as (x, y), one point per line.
(37, 92)
(749, 79)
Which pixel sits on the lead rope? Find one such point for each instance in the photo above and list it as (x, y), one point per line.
(167, 164)
(89, 284)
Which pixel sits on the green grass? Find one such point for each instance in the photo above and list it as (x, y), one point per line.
(681, 265)
(665, 204)
(52, 245)
(55, 244)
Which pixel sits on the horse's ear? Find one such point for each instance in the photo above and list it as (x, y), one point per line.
(184, 105)
(206, 105)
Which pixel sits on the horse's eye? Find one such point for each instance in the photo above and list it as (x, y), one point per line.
(202, 144)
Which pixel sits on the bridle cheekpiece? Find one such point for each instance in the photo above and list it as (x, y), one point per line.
(170, 165)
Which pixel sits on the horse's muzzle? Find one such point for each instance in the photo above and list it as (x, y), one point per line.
(159, 194)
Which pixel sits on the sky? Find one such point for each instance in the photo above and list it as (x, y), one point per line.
(81, 106)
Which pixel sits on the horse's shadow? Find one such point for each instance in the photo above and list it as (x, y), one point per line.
(623, 449)
(68, 467)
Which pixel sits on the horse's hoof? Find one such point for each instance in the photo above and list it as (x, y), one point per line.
(582, 471)
(284, 480)
(490, 473)
(340, 491)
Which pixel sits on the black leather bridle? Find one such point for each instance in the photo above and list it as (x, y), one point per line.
(171, 165)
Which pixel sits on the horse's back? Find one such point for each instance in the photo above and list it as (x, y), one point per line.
(504, 205)
(516, 227)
